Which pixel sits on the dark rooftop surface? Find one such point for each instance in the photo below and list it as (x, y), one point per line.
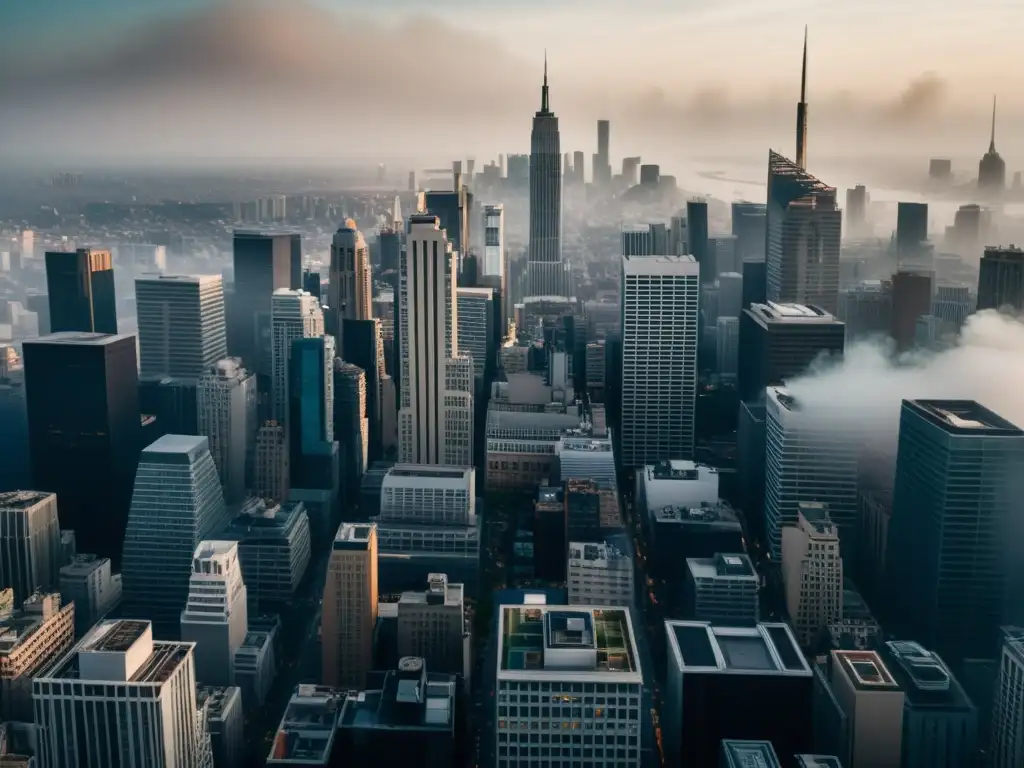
(963, 417)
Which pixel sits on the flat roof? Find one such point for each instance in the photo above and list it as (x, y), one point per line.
(428, 472)
(770, 312)
(723, 566)
(818, 761)
(185, 279)
(307, 728)
(924, 677)
(599, 554)
(866, 670)
(678, 484)
(408, 698)
(718, 514)
(740, 753)
(963, 418)
(81, 338)
(354, 535)
(482, 293)
(764, 649)
(22, 499)
(660, 265)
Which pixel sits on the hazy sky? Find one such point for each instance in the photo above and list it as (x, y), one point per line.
(181, 77)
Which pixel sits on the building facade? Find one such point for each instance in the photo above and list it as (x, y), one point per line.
(350, 606)
(182, 328)
(812, 571)
(80, 286)
(30, 552)
(227, 414)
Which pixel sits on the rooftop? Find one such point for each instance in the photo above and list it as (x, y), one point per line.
(22, 499)
(924, 677)
(177, 444)
(257, 518)
(866, 670)
(770, 313)
(81, 338)
(218, 699)
(408, 698)
(83, 564)
(739, 753)
(678, 484)
(684, 266)
(717, 514)
(764, 649)
(722, 566)
(354, 535)
(963, 417)
(425, 475)
(189, 279)
(18, 626)
(307, 729)
(817, 761)
(597, 555)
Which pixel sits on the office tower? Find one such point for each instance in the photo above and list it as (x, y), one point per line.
(780, 341)
(952, 537)
(873, 704)
(1001, 279)
(801, 113)
(307, 734)
(476, 329)
(549, 532)
(561, 648)
(748, 225)
(270, 470)
(911, 300)
(806, 461)
(804, 226)
(215, 616)
(30, 556)
(659, 358)
(227, 417)
(351, 286)
(311, 284)
(33, 638)
(630, 168)
(172, 404)
(940, 723)
(406, 716)
(181, 324)
(812, 572)
(730, 294)
(80, 286)
(494, 252)
(940, 169)
(436, 415)
(992, 168)
(312, 449)
(452, 210)
(294, 315)
(432, 626)
(602, 171)
(736, 683)
(866, 309)
(365, 349)
(727, 339)
(722, 254)
(697, 235)
(857, 211)
(389, 242)
(351, 425)
(650, 175)
(740, 753)
(117, 669)
(911, 226)
(599, 574)
(546, 273)
(755, 285)
(85, 448)
(953, 304)
(177, 503)
(723, 590)
(225, 722)
(350, 606)
(263, 263)
(88, 583)
(1007, 749)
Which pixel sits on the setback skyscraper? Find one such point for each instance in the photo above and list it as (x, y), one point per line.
(294, 315)
(181, 324)
(80, 285)
(351, 288)
(227, 417)
(546, 273)
(992, 168)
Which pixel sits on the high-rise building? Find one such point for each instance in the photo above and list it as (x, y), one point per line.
(697, 237)
(177, 503)
(866, 309)
(953, 533)
(992, 168)
(804, 228)
(573, 653)
(1001, 279)
(857, 211)
(723, 590)
(351, 425)
(755, 283)
(494, 264)
(602, 158)
(181, 324)
(476, 329)
(30, 554)
(215, 616)
(294, 315)
(911, 226)
(225, 721)
(911, 299)
(88, 583)
(351, 284)
(313, 452)
(719, 682)
(748, 223)
(546, 272)
(364, 344)
(812, 572)
(118, 669)
(727, 339)
(85, 448)
(873, 704)
(80, 286)
(599, 573)
(350, 606)
(1008, 708)
(806, 461)
(659, 358)
(435, 420)
(227, 417)
(432, 626)
(270, 463)
(452, 210)
(263, 263)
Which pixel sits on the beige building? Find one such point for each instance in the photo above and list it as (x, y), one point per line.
(432, 626)
(873, 703)
(812, 571)
(350, 606)
(30, 639)
(271, 474)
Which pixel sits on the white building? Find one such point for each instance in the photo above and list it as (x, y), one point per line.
(428, 495)
(675, 484)
(215, 618)
(293, 315)
(182, 328)
(599, 574)
(88, 582)
(435, 422)
(227, 417)
(659, 358)
(806, 460)
(812, 572)
(1008, 710)
(117, 680)
(30, 556)
(573, 658)
(494, 241)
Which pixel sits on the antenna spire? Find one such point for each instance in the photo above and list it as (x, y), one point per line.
(544, 89)
(992, 142)
(801, 113)
(803, 71)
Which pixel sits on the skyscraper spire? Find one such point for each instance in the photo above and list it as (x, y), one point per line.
(544, 89)
(992, 143)
(801, 113)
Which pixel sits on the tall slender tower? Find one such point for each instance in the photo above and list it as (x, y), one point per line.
(350, 287)
(545, 270)
(992, 168)
(801, 113)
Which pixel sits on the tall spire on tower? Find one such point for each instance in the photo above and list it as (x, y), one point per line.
(544, 90)
(992, 143)
(801, 113)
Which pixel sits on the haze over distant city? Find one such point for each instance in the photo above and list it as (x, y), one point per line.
(342, 80)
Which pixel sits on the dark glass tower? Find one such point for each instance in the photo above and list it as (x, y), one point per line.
(364, 348)
(992, 168)
(80, 285)
(545, 272)
(697, 226)
(953, 558)
(1001, 279)
(313, 452)
(911, 225)
(748, 220)
(84, 431)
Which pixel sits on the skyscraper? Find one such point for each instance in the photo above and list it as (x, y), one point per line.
(294, 315)
(1001, 279)
(476, 329)
(546, 274)
(29, 543)
(911, 226)
(436, 414)
(697, 235)
(351, 285)
(602, 160)
(364, 346)
(801, 113)
(177, 503)
(181, 324)
(263, 262)
(952, 545)
(85, 447)
(812, 571)
(227, 417)
(80, 285)
(748, 223)
(313, 452)
(270, 472)
(804, 228)
(494, 247)
(992, 168)
(659, 358)
(350, 606)
(351, 425)
(911, 300)
(1008, 710)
